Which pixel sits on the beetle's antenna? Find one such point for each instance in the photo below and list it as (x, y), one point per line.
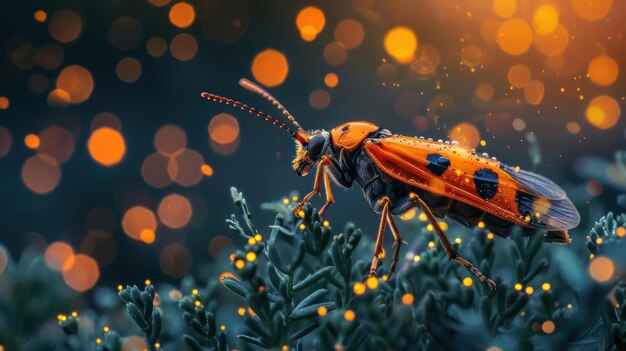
(255, 88)
(227, 101)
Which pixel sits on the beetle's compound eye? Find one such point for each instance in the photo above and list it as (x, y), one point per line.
(315, 146)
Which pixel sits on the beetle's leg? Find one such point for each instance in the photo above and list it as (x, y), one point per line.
(329, 192)
(378, 249)
(316, 186)
(447, 246)
(397, 243)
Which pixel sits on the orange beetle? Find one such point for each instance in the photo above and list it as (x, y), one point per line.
(397, 173)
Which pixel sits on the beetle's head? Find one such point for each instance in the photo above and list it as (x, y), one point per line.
(308, 154)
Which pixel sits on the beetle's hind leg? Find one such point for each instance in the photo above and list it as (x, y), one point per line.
(447, 246)
(398, 241)
(378, 249)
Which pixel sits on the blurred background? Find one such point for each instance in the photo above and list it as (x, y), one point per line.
(116, 170)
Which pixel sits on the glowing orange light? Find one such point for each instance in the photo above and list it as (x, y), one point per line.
(466, 134)
(207, 170)
(331, 80)
(270, 67)
(603, 70)
(592, 10)
(514, 36)
(518, 75)
(57, 254)
(223, 128)
(77, 82)
(175, 211)
(554, 43)
(548, 327)
(603, 112)
(504, 8)
(81, 272)
(602, 269)
(138, 219)
(59, 98)
(32, 141)
(4, 103)
(41, 174)
(401, 43)
(546, 19)
(408, 299)
(182, 15)
(533, 92)
(310, 22)
(147, 236)
(106, 146)
(40, 16)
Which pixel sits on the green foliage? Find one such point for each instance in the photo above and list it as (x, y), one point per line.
(303, 286)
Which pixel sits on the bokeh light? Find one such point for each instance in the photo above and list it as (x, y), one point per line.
(335, 54)
(170, 139)
(603, 70)
(81, 272)
(545, 19)
(4, 103)
(349, 33)
(185, 168)
(603, 112)
(138, 219)
(514, 36)
(175, 211)
(6, 141)
(319, 99)
(533, 92)
(106, 119)
(401, 44)
(58, 98)
(519, 75)
(310, 22)
(504, 8)
(101, 246)
(125, 33)
(49, 56)
(554, 43)
(128, 69)
(66, 26)
(331, 80)
(270, 67)
(223, 128)
(57, 254)
(106, 146)
(601, 269)
(182, 15)
(41, 174)
(156, 46)
(592, 10)
(183, 47)
(76, 81)
(154, 170)
(57, 143)
(466, 134)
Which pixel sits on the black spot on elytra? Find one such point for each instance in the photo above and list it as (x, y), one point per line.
(437, 164)
(486, 183)
(344, 128)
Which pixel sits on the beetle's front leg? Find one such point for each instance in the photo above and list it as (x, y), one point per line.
(319, 173)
